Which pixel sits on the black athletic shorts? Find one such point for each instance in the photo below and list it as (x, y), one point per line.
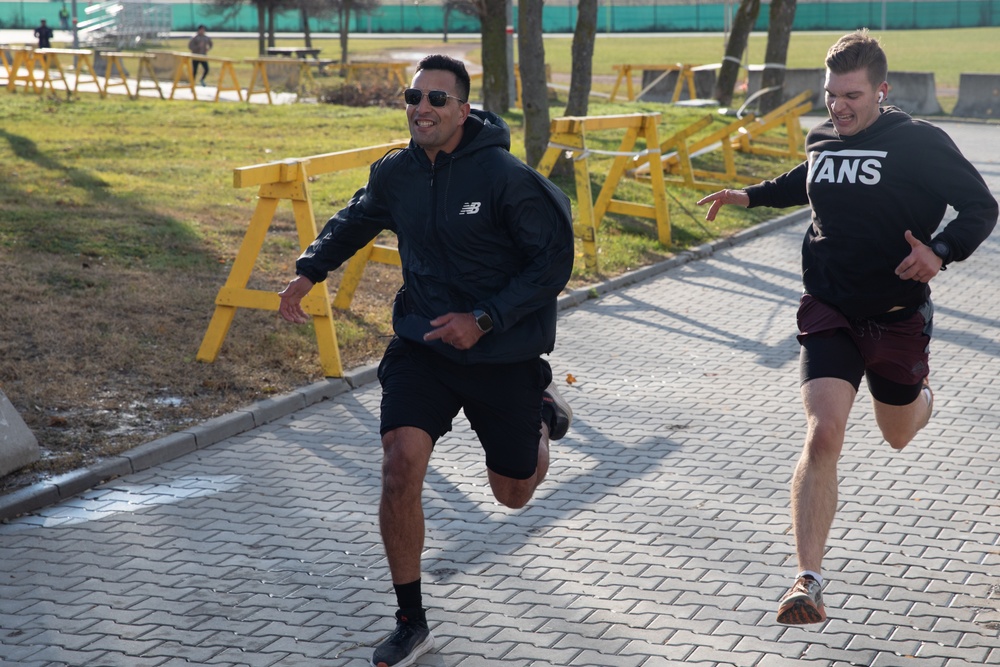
(890, 351)
(503, 402)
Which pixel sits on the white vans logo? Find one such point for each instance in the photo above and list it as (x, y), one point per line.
(851, 166)
(470, 208)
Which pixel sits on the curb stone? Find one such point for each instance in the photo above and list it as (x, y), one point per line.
(174, 445)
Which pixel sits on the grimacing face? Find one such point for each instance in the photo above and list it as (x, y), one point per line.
(436, 128)
(852, 101)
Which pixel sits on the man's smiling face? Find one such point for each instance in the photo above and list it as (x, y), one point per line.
(436, 128)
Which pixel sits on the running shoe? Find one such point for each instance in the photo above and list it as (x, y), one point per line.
(410, 640)
(802, 604)
(561, 413)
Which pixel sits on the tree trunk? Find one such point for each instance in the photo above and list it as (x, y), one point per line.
(583, 57)
(261, 30)
(270, 25)
(305, 26)
(496, 97)
(746, 17)
(779, 32)
(534, 91)
(345, 23)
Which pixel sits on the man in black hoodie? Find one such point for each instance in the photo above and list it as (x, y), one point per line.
(486, 245)
(879, 183)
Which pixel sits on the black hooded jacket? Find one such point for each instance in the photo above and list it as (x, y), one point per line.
(866, 191)
(477, 228)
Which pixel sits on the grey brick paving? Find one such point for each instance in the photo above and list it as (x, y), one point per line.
(660, 538)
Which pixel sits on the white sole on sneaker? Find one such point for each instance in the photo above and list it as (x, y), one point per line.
(418, 650)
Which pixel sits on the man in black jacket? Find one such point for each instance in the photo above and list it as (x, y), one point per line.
(486, 245)
(878, 183)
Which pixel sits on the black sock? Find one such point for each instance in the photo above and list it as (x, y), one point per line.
(408, 596)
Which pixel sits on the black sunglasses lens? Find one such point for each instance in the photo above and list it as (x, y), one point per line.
(437, 98)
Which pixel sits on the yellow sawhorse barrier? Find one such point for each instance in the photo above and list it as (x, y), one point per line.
(144, 70)
(788, 114)
(568, 135)
(84, 70)
(288, 180)
(294, 73)
(685, 76)
(23, 59)
(678, 150)
(396, 72)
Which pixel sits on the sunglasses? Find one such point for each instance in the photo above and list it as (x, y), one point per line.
(437, 98)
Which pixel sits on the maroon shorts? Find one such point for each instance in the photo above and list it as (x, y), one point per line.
(891, 350)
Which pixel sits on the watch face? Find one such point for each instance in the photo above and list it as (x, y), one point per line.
(483, 320)
(941, 249)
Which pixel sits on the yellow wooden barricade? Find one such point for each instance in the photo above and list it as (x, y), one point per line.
(5, 61)
(263, 74)
(83, 71)
(288, 180)
(568, 135)
(685, 77)
(23, 59)
(395, 71)
(788, 114)
(144, 70)
(678, 150)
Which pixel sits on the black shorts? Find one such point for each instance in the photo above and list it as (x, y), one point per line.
(503, 402)
(891, 351)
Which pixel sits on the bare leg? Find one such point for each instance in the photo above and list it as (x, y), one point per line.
(900, 423)
(515, 493)
(827, 403)
(406, 453)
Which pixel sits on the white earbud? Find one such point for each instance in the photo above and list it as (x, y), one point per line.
(881, 96)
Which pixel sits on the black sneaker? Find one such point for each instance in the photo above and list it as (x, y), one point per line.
(561, 415)
(410, 640)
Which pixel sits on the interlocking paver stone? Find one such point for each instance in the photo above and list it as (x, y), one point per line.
(661, 536)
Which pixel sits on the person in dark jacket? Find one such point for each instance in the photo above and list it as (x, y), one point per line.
(486, 246)
(201, 44)
(44, 34)
(879, 183)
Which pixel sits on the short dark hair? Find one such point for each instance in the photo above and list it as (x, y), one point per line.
(202, 26)
(855, 51)
(447, 63)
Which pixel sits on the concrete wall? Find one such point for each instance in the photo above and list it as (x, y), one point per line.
(978, 96)
(18, 446)
(796, 82)
(913, 92)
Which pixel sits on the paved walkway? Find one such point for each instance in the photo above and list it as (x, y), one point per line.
(660, 538)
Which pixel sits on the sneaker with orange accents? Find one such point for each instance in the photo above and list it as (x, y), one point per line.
(803, 603)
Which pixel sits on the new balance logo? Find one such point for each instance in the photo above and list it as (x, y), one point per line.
(470, 208)
(850, 166)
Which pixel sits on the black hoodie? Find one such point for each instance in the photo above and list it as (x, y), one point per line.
(477, 228)
(865, 191)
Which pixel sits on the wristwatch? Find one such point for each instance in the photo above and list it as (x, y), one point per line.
(942, 250)
(483, 320)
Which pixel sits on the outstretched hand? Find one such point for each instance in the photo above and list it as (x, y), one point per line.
(921, 264)
(717, 199)
(291, 300)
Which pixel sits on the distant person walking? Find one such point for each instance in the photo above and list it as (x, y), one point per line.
(64, 17)
(200, 44)
(44, 34)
